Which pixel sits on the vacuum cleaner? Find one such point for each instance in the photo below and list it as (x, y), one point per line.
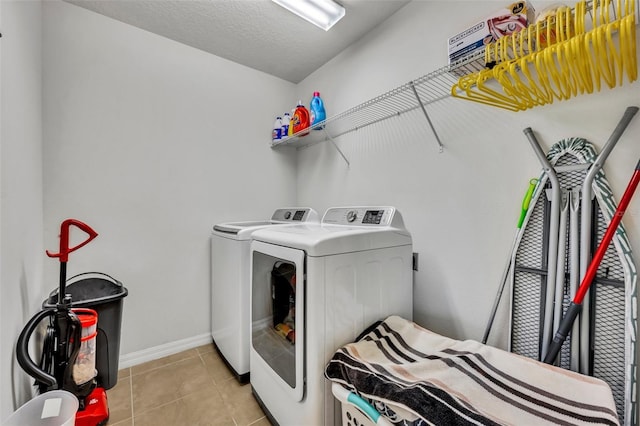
(67, 360)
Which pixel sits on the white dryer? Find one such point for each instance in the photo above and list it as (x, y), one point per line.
(315, 288)
(230, 251)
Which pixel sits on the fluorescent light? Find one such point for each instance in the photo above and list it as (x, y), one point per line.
(322, 13)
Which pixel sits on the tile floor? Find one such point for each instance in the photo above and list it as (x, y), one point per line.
(192, 388)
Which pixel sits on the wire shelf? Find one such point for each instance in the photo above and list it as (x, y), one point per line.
(418, 93)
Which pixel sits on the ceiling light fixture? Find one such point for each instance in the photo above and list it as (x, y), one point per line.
(321, 13)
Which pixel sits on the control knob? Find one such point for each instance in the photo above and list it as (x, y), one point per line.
(352, 215)
(287, 215)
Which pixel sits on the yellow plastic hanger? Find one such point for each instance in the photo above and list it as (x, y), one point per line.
(628, 40)
(502, 95)
(489, 53)
(605, 52)
(577, 52)
(561, 53)
(511, 85)
(597, 13)
(504, 49)
(531, 38)
(493, 51)
(593, 13)
(562, 24)
(591, 57)
(605, 11)
(580, 11)
(628, 50)
(620, 9)
(466, 88)
(580, 64)
(615, 49)
(535, 61)
(542, 76)
(507, 98)
(515, 45)
(552, 68)
(550, 37)
(529, 82)
(568, 63)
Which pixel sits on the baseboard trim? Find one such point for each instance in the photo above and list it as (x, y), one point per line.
(156, 352)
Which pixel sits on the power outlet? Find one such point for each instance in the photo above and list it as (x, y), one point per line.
(415, 261)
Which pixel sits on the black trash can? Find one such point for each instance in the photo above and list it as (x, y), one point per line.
(105, 295)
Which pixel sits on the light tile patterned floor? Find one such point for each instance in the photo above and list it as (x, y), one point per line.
(194, 387)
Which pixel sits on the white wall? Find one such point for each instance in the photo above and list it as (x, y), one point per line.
(20, 188)
(462, 205)
(151, 143)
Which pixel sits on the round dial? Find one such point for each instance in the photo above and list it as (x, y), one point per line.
(352, 215)
(287, 215)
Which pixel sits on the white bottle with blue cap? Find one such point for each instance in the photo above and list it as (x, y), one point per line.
(276, 135)
(286, 120)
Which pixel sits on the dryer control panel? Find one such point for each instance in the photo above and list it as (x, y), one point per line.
(363, 216)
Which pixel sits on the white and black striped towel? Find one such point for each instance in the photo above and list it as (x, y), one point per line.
(441, 381)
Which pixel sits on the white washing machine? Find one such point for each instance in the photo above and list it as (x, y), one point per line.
(315, 288)
(230, 252)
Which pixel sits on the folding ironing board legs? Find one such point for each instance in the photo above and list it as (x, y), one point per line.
(561, 259)
(585, 230)
(547, 325)
(575, 307)
(556, 254)
(574, 278)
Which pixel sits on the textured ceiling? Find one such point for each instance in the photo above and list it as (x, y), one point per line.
(255, 33)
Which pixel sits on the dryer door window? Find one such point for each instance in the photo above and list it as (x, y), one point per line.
(277, 312)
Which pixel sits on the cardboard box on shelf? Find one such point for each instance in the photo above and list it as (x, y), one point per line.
(503, 22)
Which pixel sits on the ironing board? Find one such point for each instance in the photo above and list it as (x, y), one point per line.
(612, 323)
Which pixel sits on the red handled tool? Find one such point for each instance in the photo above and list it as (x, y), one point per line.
(63, 254)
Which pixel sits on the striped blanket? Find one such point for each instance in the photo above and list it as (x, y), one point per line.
(419, 377)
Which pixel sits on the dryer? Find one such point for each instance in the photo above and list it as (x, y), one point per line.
(315, 288)
(230, 250)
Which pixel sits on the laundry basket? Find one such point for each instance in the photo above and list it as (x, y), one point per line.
(54, 408)
(355, 410)
(103, 294)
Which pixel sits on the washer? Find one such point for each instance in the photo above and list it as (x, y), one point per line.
(315, 288)
(230, 250)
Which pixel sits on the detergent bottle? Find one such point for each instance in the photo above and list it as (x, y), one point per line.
(276, 135)
(300, 119)
(286, 121)
(290, 130)
(317, 112)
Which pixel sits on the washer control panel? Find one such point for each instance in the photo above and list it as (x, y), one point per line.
(361, 216)
(294, 215)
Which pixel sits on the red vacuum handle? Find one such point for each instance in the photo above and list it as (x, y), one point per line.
(64, 238)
